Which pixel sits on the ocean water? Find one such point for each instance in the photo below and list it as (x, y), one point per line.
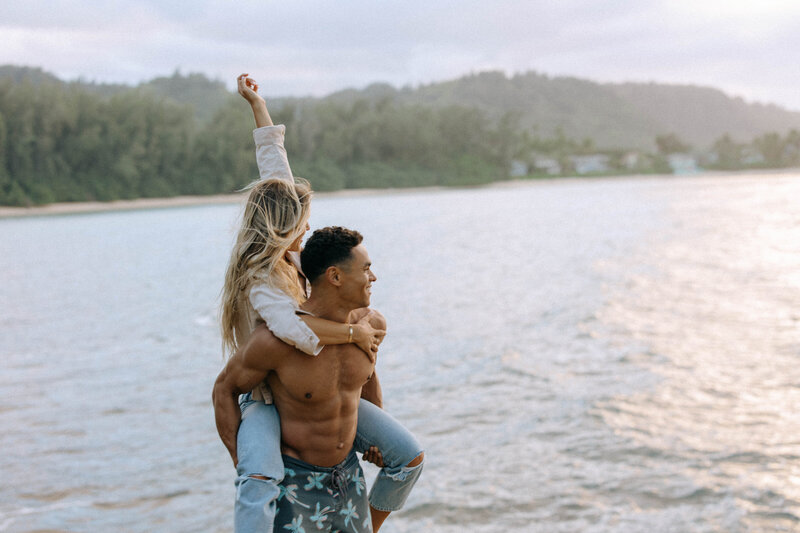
(575, 355)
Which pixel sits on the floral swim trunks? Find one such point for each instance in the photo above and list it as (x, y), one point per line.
(317, 498)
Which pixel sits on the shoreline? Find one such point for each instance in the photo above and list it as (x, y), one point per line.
(70, 208)
(76, 208)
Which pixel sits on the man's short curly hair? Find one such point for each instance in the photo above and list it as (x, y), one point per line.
(327, 247)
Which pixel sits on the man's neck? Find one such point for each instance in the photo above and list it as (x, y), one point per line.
(325, 304)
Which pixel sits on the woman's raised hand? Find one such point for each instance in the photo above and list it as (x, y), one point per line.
(248, 88)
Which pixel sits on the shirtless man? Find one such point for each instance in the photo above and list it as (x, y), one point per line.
(317, 398)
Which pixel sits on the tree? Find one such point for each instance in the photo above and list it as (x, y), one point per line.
(670, 144)
(728, 153)
(770, 146)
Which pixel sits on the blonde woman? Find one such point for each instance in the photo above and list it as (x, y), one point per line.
(264, 283)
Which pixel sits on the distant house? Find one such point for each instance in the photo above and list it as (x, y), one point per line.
(711, 158)
(631, 160)
(751, 156)
(681, 163)
(548, 165)
(518, 169)
(590, 164)
(791, 152)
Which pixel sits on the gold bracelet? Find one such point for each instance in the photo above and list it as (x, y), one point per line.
(350, 335)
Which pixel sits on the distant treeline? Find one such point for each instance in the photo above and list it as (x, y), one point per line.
(64, 143)
(182, 135)
(770, 150)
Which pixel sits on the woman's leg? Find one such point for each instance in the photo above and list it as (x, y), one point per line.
(402, 457)
(260, 467)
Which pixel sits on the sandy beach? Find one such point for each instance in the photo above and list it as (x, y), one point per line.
(69, 208)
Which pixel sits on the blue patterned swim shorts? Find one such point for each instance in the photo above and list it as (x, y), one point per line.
(317, 498)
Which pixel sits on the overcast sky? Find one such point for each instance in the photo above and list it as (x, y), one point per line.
(748, 48)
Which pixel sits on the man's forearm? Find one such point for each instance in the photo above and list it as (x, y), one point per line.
(227, 416)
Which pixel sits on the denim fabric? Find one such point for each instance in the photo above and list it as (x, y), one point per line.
(258, 445)
(326, 499)
(398, 446)
(259, 452)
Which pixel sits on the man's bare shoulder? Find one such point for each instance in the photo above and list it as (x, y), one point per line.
(375, 317)
(264, 349)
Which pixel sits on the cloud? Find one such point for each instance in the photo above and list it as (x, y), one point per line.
(314, 47)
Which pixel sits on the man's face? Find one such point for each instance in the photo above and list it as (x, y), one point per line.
(357, 278)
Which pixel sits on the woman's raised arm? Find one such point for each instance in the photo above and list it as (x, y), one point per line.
(270, 153)
(248, 88)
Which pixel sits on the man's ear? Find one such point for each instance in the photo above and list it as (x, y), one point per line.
(334, 276)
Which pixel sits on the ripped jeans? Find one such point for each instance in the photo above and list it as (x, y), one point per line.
(258, 450)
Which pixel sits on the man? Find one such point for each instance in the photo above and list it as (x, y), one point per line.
(317, 398)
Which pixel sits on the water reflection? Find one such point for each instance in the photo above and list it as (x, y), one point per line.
(718, 314)
(601, 355)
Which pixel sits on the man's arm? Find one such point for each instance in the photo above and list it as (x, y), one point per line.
(247, 368)
(371, 391)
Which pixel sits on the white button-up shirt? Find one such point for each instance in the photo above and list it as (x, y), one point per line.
(278, 310)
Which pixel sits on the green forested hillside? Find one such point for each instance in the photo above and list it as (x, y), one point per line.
(626, 115)
(203, 95)
(701, 115)
(577, 109)
(186, 134)
(33, 75)
(67, 142)
(621, 116)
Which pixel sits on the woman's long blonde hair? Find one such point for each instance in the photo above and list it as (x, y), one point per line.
(276, 213)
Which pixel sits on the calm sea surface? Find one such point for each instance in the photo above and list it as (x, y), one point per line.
(575, 355)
